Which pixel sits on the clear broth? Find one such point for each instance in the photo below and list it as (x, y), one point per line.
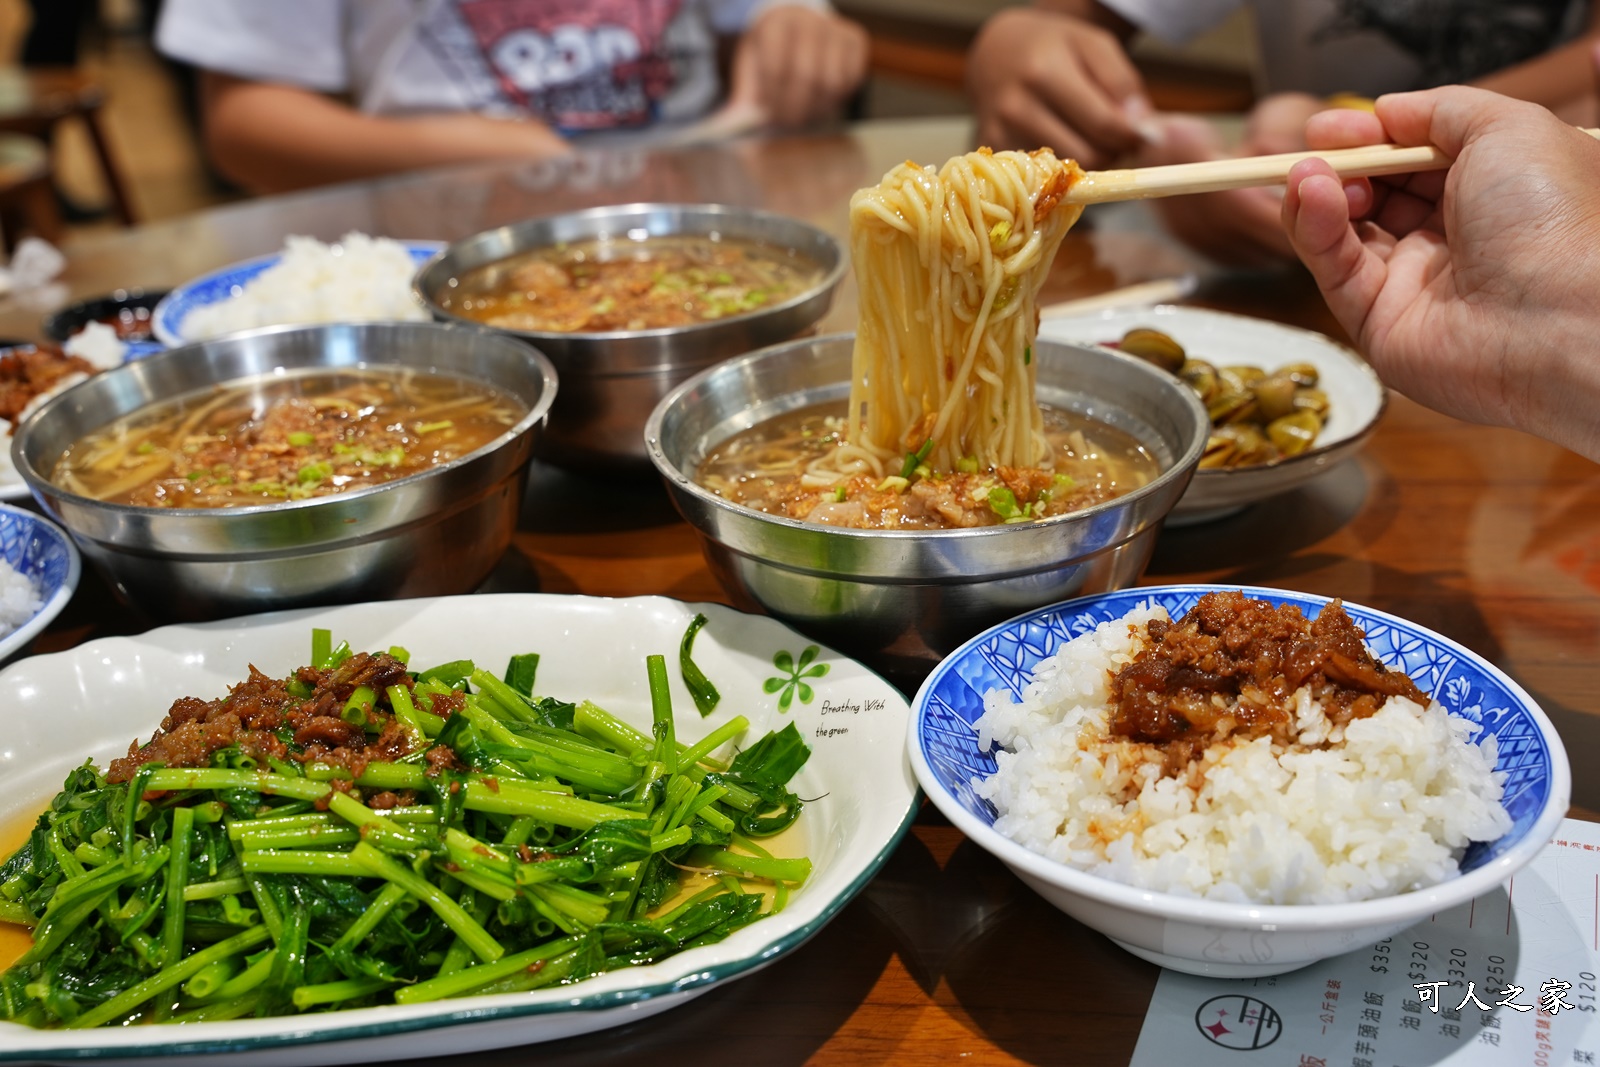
(287, 437)
(608, 285)
(759, 468)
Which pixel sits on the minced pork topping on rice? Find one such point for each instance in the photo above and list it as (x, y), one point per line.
(1335, 801)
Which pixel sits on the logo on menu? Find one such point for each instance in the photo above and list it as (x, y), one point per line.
(1238, 1022)
(578, 64)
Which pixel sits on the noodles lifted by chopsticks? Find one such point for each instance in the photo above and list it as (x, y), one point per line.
(949, 263)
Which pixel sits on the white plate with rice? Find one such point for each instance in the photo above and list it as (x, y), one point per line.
(1277, 855)
(356, 279)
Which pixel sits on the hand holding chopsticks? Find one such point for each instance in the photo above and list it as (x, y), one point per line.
(1368, 161)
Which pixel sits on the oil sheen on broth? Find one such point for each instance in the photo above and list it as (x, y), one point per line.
(14, 831)
(286, 437)
(607, 285)
(765, 468)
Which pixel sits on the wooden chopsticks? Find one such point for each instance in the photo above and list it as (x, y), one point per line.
(1103, 186)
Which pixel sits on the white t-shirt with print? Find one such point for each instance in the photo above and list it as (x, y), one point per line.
(577, 65)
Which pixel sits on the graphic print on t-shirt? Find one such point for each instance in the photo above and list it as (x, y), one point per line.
(1456, 40)
(578, 64)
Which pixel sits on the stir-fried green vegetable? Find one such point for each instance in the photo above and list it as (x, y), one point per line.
(706, 696)
(517, 842)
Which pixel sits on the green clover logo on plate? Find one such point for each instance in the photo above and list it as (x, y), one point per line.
(791, 680)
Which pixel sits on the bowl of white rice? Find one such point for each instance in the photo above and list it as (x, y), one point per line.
(1246, 855)
(39, 569)
(359, 278)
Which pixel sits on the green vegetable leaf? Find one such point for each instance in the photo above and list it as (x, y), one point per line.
(700, 687)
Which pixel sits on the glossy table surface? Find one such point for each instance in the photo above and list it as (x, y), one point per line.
(1487, 536)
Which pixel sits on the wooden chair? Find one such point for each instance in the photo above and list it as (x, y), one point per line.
(27, 194)
(35, 100)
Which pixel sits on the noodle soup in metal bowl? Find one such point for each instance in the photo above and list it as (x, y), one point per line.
(629, 300)
(295, 509)
(768, 467)
(902, 598)
(287, 436)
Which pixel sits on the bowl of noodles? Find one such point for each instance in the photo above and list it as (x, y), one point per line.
(895, 491)
(294, 466)
(901, 598)
(630, 300)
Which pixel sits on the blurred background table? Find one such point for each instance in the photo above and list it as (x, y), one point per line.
(1487, 536)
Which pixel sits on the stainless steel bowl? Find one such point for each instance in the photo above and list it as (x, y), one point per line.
(900, 600)
(611, 381)
(437, 532)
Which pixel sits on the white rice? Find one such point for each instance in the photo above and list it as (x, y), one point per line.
(98, 343)
(19, 600)
(1379, 806)
(358, 279)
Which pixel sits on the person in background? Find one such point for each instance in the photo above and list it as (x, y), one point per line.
(302, 92)
(1057, 74)
(1470, 290)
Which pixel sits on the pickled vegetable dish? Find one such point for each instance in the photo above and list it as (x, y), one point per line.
(649, 284)
(360, 833)
(1257, 416)
(286, 437)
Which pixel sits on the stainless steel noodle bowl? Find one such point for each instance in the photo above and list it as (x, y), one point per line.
(435, 532)
(901, 598)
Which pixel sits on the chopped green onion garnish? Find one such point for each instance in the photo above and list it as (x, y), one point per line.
(300, 438)
(1003, 502)
(914, 459)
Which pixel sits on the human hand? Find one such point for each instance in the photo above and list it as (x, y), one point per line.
(1239, 227)
(1039, 78)
(797, 65)
(1471, 290)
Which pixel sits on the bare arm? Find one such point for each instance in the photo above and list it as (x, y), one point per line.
(271, 138)
(1556, 79)
(1057, 74)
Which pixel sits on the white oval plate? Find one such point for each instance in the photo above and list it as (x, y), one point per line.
(91, 701)
(1356, 397)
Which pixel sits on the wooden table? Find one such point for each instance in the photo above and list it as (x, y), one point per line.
(1488, 536)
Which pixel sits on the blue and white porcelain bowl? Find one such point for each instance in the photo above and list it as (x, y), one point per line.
(42, 552)
(1213, 937)
(167, 320)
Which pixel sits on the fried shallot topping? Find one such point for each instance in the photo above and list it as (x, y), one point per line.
(266, 720)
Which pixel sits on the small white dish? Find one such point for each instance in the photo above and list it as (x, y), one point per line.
(1356, 397)
(42, 552)
(90, 701)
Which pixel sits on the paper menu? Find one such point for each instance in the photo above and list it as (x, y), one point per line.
(1539, 935)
